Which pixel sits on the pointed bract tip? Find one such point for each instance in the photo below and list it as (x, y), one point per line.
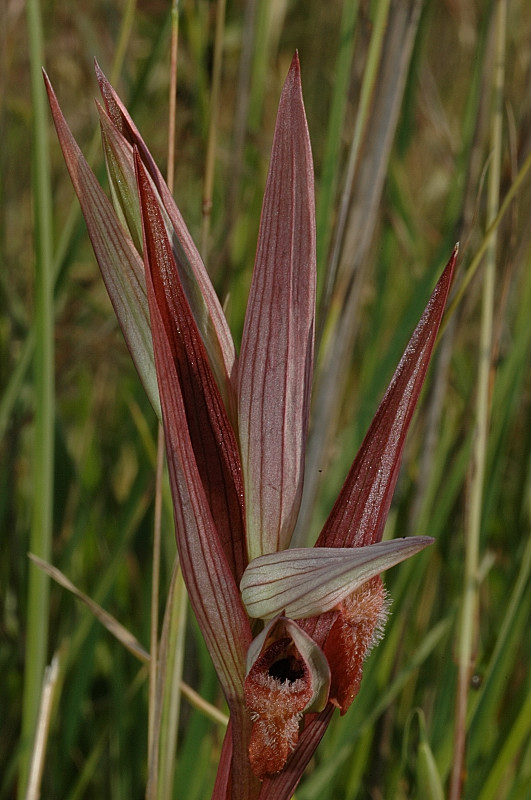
(295, 68)
(47, 83)
(447, 277)
(52, 99)
(455, 253)
(100, 76)
(292, 89)
(450, 267)
(98, 70)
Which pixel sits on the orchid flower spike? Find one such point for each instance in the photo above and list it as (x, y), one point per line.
(287, 628)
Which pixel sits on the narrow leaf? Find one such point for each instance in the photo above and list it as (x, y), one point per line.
(120, 169)
(276, 359)
(198, 286)
(119, 262)
(359, 514)
(118, 154)
(305, 582)
(213, 439)
(211, 587)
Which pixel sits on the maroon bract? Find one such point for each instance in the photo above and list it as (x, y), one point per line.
(235, 436)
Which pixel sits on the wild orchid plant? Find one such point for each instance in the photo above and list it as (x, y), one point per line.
(287, 628)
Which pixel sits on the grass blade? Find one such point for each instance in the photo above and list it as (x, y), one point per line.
(43, 459)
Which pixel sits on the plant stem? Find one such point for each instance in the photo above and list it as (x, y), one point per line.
(49, 688)
(212, 129)
(332, 156)
(367, 90)
(153, 718)
(173, 93)
(43, 455)
(468, 627)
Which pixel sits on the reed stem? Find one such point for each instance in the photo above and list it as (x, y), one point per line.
(473, 522)
(43, 449)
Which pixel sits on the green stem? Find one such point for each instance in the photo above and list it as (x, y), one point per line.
(330, 173)
(367, 89)
(212, 128)
(43, 456)
(172, 683)
(474, 517)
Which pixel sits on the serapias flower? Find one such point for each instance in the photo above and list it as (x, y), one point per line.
(287, 629)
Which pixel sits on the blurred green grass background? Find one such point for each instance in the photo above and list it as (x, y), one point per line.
(420, 184)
